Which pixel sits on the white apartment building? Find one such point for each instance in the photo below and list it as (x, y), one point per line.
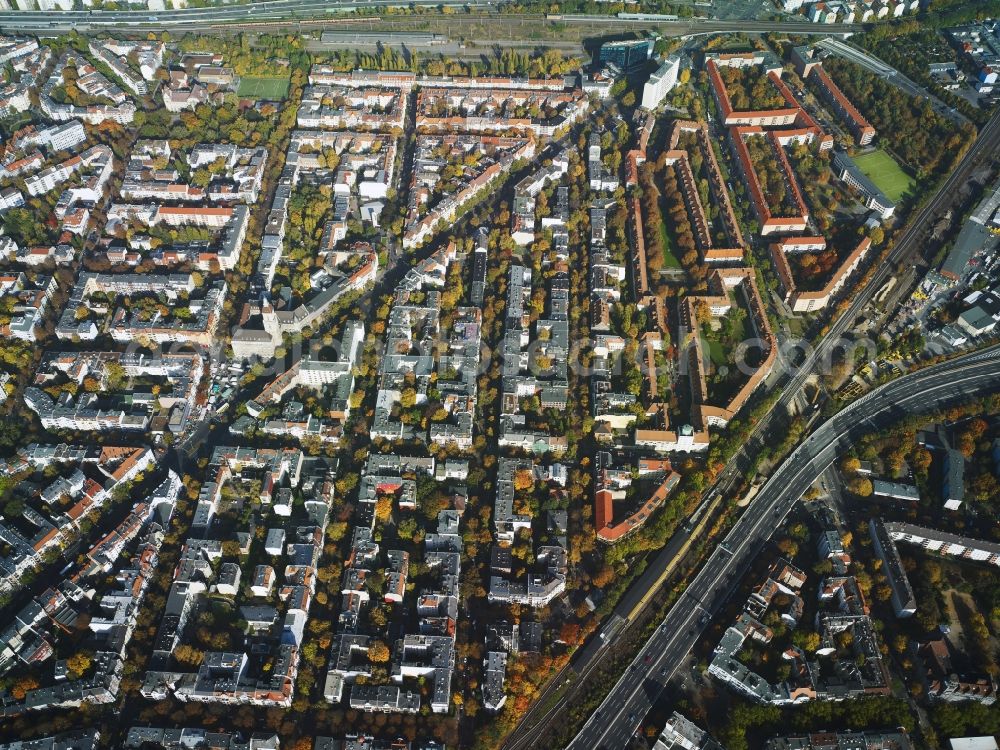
(661, 82)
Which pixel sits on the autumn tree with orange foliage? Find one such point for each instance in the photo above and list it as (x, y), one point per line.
(569, 632)
(378, 652)
(383, 508)
(524, 480)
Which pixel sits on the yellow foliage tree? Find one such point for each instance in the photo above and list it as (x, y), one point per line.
(383, 508)
(524, 480)
(378, 652)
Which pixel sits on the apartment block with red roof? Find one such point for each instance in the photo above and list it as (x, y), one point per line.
(797, 219)
(860, 128)
(801, 300)
(611, 485)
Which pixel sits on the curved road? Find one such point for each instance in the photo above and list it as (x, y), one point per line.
(619, 715)
(987, 144)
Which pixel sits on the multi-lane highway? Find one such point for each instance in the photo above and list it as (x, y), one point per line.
(296, 14)
(210, 17)
(617, 718)
(906, 246)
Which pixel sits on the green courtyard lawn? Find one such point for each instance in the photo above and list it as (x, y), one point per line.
(269, 88)
(716, 353)
(669, 259)
(722, 344)
(887, 175)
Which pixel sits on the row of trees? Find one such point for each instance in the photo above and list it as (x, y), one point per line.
(770, 174)
(535, 64)
(932, 143)
(750, 89)
(657, 234)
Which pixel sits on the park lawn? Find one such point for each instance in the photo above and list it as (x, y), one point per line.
(887, 175)
(258, 87)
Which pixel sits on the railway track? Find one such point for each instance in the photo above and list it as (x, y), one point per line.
(532, 726)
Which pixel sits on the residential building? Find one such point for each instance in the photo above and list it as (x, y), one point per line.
(870, 740)
(945, 543)
(809, 300)
(610, 484)
(944, 682)
(661, 82)
(80, 739)
(600, 177)
(886, 490)
(680, 733)
(903, 601)
(860, 128)
(190, 737)
(494, 674)
(953, 483)
(847, 170)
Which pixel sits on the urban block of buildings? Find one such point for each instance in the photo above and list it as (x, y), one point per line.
(262, 667)
(117, 107)
(100, 592)
(548, 579)
(836, 672)
(451, 170)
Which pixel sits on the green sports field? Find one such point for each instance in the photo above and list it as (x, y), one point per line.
(253, 87)
(887, 175)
